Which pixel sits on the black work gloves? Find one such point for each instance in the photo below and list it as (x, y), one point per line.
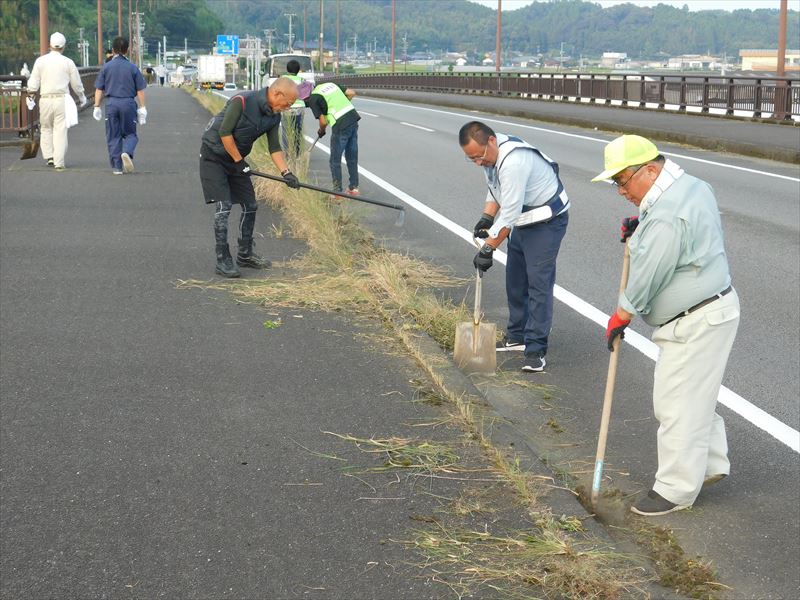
(480, 229)
(321, 132)
(629, 225)
(290, 179)
(242, 168)
(483, 259)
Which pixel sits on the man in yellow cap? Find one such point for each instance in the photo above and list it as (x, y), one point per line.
(679, 283)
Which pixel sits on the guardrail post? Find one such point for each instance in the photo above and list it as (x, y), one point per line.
(706, 84)
(731, 95)
(642, 93)
(682, 96)
(662, 84)
(757, 100)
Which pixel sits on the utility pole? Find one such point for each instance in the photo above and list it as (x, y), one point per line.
(291, 37)
(394, 24)
(268, 33)
(497, 40)
(355, 47)
(780, 86)
(337, 36)
(305, 26)
(561, 59)
(83, 45)
(99, 32)
(119, 18)
(321, 37)
(44, 42)
(405, 52)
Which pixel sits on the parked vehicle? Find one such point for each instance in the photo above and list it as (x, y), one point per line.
(230, 86)
(211, 71)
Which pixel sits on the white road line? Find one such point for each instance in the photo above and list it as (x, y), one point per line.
(585, 137)
(758, 417)
(363, 112)
(416, 126)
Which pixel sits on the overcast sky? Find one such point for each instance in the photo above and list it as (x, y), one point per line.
(693, 4)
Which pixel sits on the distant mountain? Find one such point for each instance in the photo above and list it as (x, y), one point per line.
(457, 25)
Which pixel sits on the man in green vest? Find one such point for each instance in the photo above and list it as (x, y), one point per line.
(292, 122)
(331, 104)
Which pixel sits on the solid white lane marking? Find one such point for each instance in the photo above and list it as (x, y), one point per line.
(750, 412)
(416, 126)
(363, 112)
(588, 138)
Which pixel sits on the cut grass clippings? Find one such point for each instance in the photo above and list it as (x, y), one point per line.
(345, 270)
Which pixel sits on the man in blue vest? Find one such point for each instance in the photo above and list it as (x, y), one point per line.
(527, 204)
(331, 104)
(225, 174)
(122, 83)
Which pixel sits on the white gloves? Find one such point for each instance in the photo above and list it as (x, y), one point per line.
(142, 114)
(82, 101)
(30, 102)
(97, 113)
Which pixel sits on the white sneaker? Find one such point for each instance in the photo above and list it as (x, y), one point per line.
(127, 163)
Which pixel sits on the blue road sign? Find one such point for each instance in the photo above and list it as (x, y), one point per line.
(228, 44)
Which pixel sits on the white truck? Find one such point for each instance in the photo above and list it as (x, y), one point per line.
(276, 66)
(211, 71)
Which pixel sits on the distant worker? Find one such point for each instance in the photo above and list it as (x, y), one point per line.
(149, 74)
(679, 283)
(331, 104)
(52, 76)
(526, 203)
(292, 137)
(122, 83)
(225, 174)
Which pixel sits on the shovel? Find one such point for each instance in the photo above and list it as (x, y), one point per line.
(474, 350)
(609, 395)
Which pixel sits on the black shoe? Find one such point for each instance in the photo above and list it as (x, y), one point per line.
(249, 259)
(507, 345)
(534, 363)
(50, 162)
(225, 266)
(654, 505)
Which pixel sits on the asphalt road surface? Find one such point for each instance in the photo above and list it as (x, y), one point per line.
(411, 152)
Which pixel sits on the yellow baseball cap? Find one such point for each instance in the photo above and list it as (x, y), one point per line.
(626, 151)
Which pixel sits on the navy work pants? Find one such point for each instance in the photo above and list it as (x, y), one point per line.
(344, 141)
(120, 129)
(530, 277)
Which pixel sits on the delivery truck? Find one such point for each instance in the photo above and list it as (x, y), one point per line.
(211, 72)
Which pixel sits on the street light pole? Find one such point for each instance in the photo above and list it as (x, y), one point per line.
(394, 24)
(99, 32)
(779, 111)
(44, 42)
(321, 36)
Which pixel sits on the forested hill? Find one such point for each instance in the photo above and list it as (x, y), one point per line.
(457, 25)
(429, 25)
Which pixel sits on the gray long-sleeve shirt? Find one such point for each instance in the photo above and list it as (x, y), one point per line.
(678, 251)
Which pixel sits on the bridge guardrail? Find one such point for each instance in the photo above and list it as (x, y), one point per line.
(771, 98)
(18, 123)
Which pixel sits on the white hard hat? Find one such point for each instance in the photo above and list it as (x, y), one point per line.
(57, 40)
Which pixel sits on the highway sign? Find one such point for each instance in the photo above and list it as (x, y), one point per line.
(228, 44)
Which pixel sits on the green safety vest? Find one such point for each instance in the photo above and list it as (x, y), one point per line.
(338, 104)
(298, 80)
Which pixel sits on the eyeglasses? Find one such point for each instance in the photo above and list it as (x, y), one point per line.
(480, 158)
(618, 184)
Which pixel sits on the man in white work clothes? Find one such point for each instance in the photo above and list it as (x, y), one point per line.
(679, 283)
(52, 76)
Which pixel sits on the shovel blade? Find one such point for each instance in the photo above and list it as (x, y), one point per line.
(474, 351)
(30, 149)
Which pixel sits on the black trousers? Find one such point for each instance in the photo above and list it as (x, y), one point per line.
(223, 186)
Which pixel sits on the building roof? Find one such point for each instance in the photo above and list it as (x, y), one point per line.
(770, 53)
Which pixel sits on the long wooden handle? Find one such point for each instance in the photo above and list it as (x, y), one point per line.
(608, 398)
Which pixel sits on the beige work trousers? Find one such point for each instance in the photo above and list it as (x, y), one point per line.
(688, 375)
(54, 128)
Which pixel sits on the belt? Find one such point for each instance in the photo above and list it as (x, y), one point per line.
(699, 305)
(53, 95)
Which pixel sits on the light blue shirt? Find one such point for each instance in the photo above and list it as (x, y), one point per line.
(524, 179)
(678, 250)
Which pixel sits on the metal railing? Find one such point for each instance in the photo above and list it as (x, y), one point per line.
(751, 97)
(18, 123)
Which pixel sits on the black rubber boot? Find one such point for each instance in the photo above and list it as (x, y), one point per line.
(249, 259)
(225, 266)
